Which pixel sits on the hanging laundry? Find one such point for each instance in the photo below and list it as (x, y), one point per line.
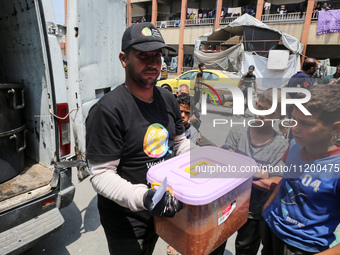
(237, 11)
(177, 23)
(267, 6)
(282, 9)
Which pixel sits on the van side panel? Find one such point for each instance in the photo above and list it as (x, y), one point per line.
(94, 30)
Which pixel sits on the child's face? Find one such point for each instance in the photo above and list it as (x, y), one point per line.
(265, 105)
(311, 133)
(185, 112)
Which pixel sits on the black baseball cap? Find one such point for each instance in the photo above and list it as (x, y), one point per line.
(144, 37)
(251, 68)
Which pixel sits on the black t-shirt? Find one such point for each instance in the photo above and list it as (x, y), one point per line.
(120, 126)
(247, 81)
(198, 78)
(199, 74)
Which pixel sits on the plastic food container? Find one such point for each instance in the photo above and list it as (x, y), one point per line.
(214, 186)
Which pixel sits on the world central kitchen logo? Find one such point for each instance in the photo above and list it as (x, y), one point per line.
(238, 101)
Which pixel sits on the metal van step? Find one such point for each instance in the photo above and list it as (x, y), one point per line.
(36, 229)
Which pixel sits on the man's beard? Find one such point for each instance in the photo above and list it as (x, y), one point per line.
(143, 82)
(146, 82)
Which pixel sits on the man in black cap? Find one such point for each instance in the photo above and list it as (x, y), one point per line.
(248, 80)
(128, 130)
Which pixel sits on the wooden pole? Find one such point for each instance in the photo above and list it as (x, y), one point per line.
(154, 12)
(306, 26)
(181, 37)
(259, 9)
(129, 13)
(218, 13)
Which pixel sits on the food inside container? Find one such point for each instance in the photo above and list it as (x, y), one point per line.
(214, 186)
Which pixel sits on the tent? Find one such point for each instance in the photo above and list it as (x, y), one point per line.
(273, 67)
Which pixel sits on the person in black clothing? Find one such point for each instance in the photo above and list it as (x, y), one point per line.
(248, 80)
(317, 8)
(198, 82)
(119, 151)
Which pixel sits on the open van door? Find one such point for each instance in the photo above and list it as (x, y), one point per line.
(94, 32)
(34, 127)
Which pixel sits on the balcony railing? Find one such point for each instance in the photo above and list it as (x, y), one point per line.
(194, 22)
(294, 16)
(227, 20)
(287, 17)
(266, 18)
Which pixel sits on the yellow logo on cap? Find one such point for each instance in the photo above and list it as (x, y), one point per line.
(146, 31)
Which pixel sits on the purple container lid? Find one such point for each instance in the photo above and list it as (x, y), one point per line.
(214, 173)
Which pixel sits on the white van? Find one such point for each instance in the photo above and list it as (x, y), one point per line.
(42, 119)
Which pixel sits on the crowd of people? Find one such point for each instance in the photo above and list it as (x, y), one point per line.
(139, 123)
(140, 19)
(324, 7)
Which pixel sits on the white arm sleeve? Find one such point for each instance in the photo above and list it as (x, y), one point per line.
(182, 144)
(108, 183)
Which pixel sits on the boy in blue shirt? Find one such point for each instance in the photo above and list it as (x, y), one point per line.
(304, 210)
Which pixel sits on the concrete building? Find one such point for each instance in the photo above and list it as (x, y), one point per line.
(295, 17)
